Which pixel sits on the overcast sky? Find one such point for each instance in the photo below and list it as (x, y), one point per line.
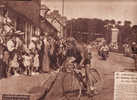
(104, 9)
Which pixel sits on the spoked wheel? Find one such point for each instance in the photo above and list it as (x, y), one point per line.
(73, 88)
(95, 78)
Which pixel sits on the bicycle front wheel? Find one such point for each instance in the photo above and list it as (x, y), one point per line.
(71, 87)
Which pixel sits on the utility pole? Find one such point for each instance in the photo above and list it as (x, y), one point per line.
(62, 7)
(62, 16)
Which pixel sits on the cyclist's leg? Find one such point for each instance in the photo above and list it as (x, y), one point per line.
(89, 79)
(93, 77)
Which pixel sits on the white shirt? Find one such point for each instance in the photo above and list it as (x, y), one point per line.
(27, 60)
(32, 46)
(14, 63)
(10, 45)
(36, 61)
(104, 48)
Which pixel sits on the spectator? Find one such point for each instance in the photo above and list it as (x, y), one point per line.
(27, 63)
(40, 45)
(13, 64)
(46, 62)
(35, 63)
(3, 68)
(11, 45)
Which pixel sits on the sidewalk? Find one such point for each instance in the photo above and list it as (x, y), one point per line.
(26, 85)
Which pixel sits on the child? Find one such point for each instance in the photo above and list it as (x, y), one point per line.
(27, 63)
(35, 62)
(14, 65)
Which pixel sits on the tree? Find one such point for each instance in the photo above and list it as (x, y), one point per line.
(134, 33)
(84, 28)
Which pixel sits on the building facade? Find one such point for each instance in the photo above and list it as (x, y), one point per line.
(58, 21)
(25, 16)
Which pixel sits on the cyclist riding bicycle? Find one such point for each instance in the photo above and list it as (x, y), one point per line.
(83, 68)
(103, 51)
(90, 79)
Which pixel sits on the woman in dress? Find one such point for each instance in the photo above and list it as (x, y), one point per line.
(45, 62)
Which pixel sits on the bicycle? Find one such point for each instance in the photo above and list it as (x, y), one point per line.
(78, 86)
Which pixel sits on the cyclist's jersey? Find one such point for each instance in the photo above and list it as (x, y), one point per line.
(87, 61)
(104, 48)
(87, 56)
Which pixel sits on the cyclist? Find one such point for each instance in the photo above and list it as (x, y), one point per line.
(90, 78)
(87, 76)
(104, 51)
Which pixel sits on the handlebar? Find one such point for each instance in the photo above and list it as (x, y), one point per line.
(70, 69)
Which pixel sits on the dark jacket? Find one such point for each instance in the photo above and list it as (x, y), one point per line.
(3, 69)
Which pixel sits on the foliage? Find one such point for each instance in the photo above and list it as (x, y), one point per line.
(84, 29)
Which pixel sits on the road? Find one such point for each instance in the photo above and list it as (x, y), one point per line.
(36, 85)
(115, 63)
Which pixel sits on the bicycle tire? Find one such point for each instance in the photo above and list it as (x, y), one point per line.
(79, 93)
(70, 90)
(71, 76)
(97, 79)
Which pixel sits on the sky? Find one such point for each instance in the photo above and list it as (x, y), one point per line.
(104, 9)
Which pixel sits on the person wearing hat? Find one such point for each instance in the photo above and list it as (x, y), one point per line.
(134, 52)
(40, 50)
(45, 66)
